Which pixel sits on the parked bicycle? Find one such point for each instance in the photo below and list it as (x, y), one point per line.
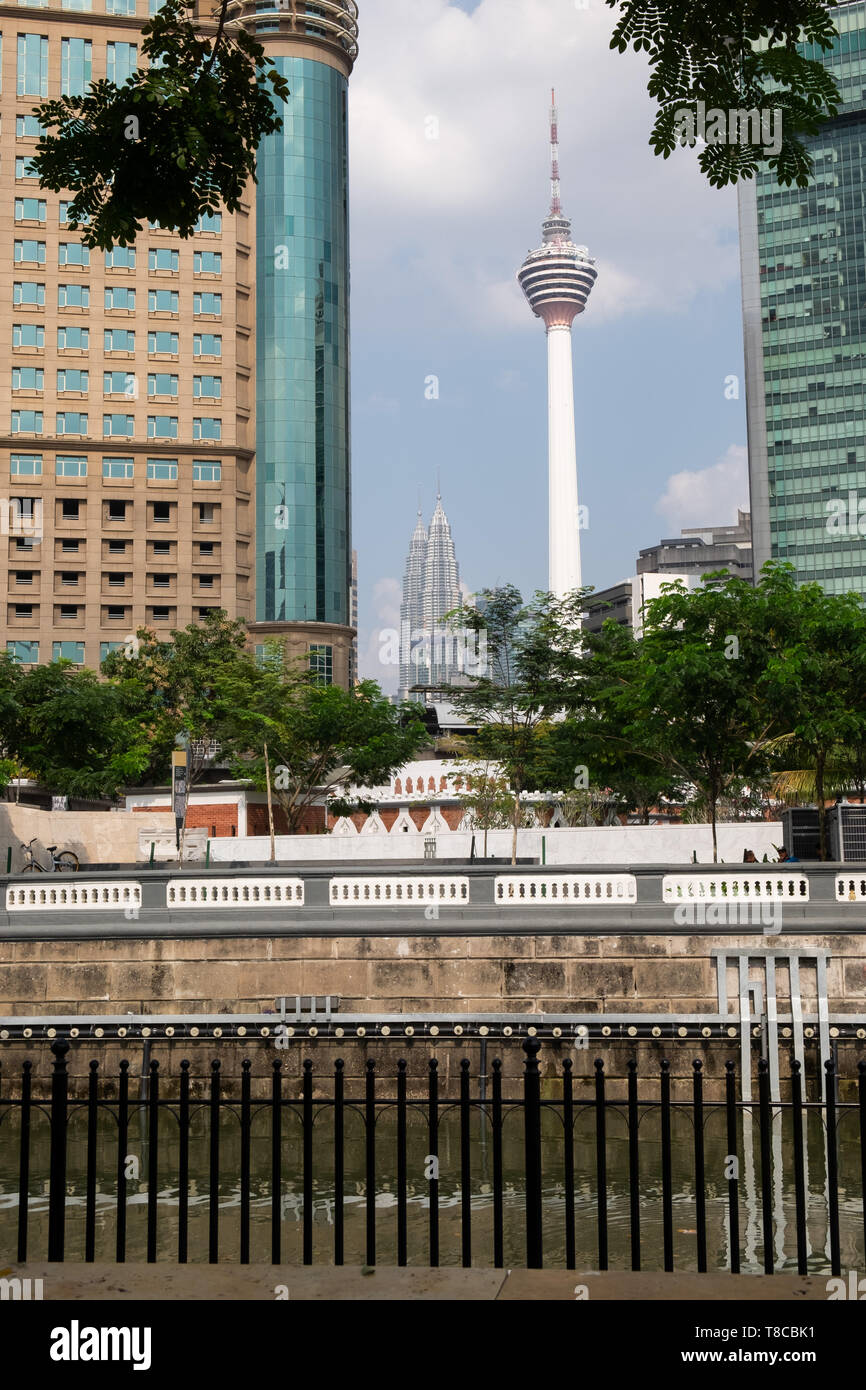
(66, 862)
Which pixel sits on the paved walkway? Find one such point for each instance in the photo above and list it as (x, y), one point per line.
(256, 1282)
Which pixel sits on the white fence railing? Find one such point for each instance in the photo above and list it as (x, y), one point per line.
(415, 888)
(235, 892)
(851, 888)
(566, 889)
(766, 887)
(62, 896)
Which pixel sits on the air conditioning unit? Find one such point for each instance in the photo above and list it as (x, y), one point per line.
(800, 834)
(847, 833)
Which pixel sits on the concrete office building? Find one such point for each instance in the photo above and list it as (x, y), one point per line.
(803, 260)
(624, 603)
(700, 549)
(140, 383)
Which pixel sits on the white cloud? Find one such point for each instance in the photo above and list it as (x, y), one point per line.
(387, 596)
(708, 496)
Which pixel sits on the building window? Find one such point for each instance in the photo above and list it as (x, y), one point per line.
(162, 342)
(25, 465)
(161, 511)
(106, 648)
(117, 510)
(70, 466)
(27, 127)
(68, 651)
(115, 612)
(71, 379)
(72, 253)
(119, 297)
(163, 258)
(70, 547)
(206, 513)
(75, 65)
(24, 169)
(162, 470)
(30, 209)
(30, 251)
(23, 610)
(73, 339)
(206, 471)
(73, 296)
(120, 258)
(207, 303)
(117, 468)
(24, 651)
(161, 581)
(161, 384)
(210, 387)
(322, 664)
(29, 292)
(28, 335)
(118, 424)
(121, 60)
(32, 65)
(160, 614)
(126, 7)
(119, 384)
(70, 509)
(162, 427)
(207, 263)
(26, 422)
(207, 345)
(70, 422)
(210, 222)
(162, 301)
(206, 427)
(119, 340)
(28, 378)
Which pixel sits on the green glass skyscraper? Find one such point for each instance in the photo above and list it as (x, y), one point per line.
(303, 484)
(803, 257)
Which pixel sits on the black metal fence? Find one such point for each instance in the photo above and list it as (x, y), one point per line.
(542, 1134)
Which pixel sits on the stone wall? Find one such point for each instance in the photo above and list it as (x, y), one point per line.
(97, 837)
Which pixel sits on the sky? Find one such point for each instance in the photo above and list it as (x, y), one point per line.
(449, 184)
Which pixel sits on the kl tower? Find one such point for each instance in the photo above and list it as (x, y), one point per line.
(557, 279)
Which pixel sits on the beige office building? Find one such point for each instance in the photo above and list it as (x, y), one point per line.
(127, 387)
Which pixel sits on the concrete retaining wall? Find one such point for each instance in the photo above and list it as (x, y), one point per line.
(97, 837)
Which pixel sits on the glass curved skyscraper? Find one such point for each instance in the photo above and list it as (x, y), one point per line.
(303, 484)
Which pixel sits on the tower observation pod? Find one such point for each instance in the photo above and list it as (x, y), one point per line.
(557, 280)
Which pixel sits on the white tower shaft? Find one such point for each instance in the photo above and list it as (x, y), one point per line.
(564, 529)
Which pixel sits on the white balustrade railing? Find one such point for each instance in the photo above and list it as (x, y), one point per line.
(767, 886)
(566, 890)
(56, 895)
(399, 891)
(235, 892)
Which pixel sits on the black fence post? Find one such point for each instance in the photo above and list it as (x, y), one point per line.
(766, 1162)
(799, 1165)
(700, 1169)
(90, 1180)
(152, 1160)
(57, 1170)
(601, 1162)
(24, 1161)
(496, 1127)
(465, 1169)
(568, 1154)
(861, 1095)
(433, 1156)
(307, 1164)
(832, 1168)
(667, 1178)
(532, 1152)
(183, 1166)
(276, 1161)
(633, 1165)
(733, 1160)
(370, 1160)
(246, 1121)
(339, 1160)
(402, 1252)
(214, 1175)
(122, 1145)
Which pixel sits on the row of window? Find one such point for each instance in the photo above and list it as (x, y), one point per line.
(121, 258)
(36, 210)
(75, 466)
(26, 512)
(77, 422)
(74, 339)
(66, 651)
(202, 550)
(115, 383)
(77, 296)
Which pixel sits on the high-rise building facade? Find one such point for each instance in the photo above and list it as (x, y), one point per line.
(139, 383)
(803, 256)
(429, 654)
(557, 279)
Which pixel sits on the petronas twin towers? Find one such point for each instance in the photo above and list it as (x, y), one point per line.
(431, 588)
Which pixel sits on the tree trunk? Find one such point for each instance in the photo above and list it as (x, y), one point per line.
(713, 820)
(819, 796)
(515, 822)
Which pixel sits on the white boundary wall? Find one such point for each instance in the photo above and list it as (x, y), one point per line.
(627, 844)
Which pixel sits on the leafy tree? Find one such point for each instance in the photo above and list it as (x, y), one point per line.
(174, 141)
(734, 55)
(318, 737)
(10, 715)
(533, 654)
(487, 799)
(168, 686)
(73, 734)
(816, 674)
